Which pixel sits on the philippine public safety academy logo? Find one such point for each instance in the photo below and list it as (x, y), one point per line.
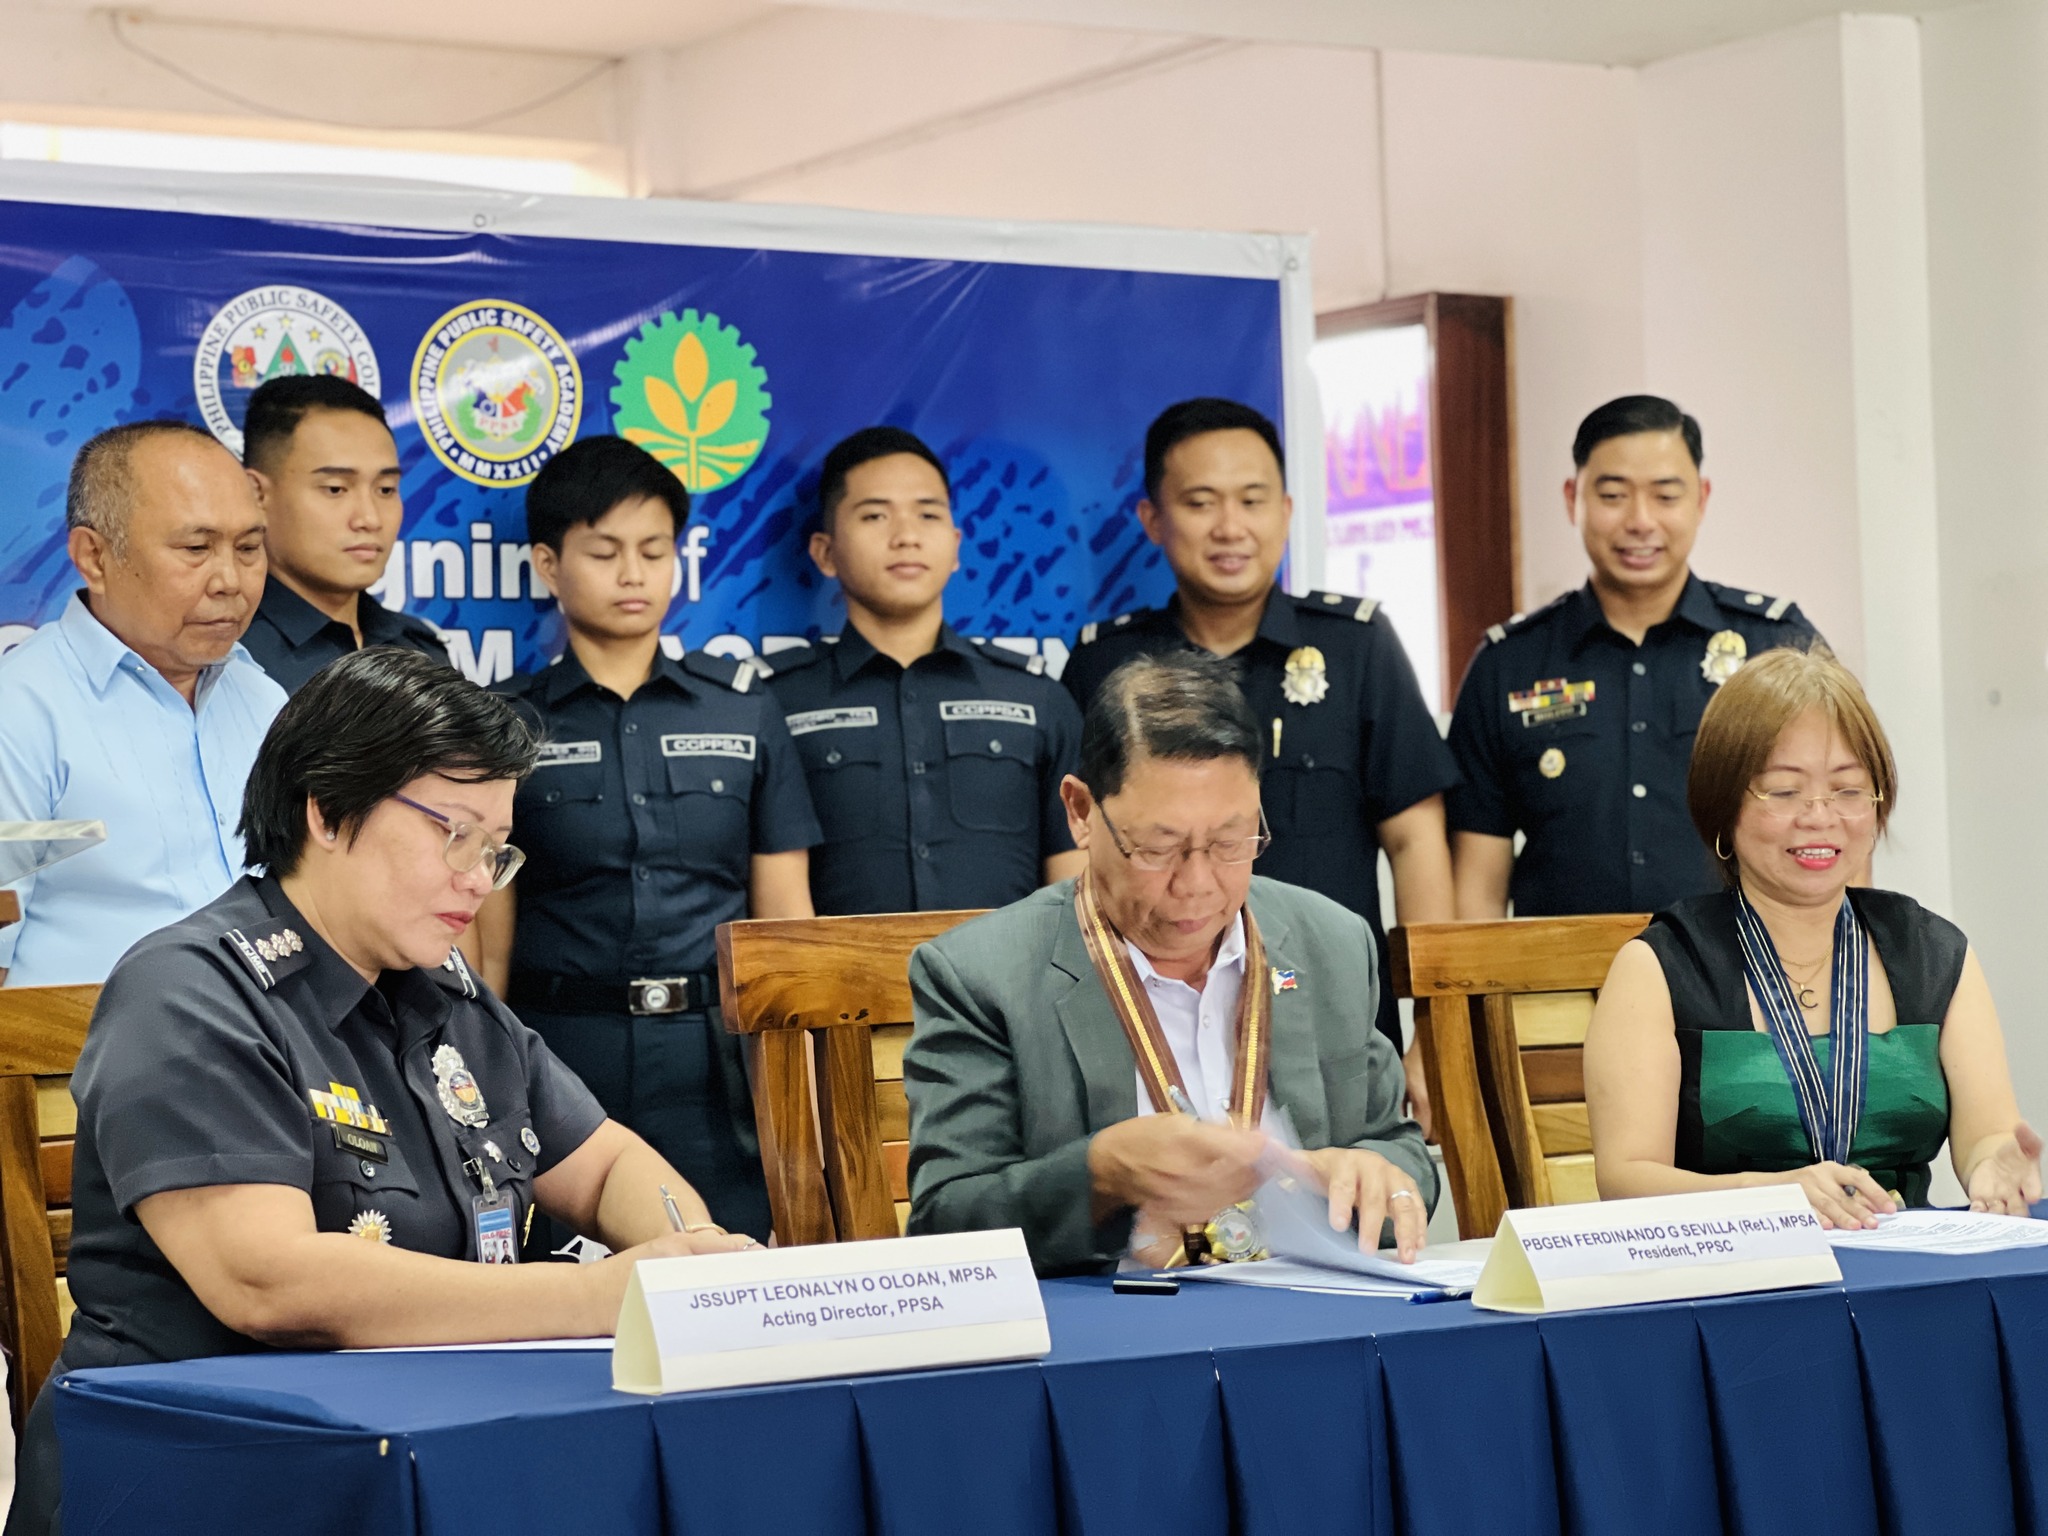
(689, 391)
(272, 333)
(496, 391)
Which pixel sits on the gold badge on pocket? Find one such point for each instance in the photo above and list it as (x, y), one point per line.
(1726, 652)
(1306, 677)
(1551, 763)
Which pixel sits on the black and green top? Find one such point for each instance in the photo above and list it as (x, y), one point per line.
(1736, 1109)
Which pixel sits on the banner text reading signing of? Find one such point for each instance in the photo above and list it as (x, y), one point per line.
(738, 368)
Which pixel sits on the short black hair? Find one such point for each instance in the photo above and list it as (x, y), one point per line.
(1632, 414)
(588, 478)
(279, 405)
(1182, 706)
(864, 447)
(366, 726)
(1192, 418)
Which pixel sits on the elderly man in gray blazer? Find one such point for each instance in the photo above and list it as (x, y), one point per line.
(1104, 1053)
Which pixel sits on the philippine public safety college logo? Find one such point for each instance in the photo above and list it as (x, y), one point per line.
(689, 391)
(496, 391)
(271, 333)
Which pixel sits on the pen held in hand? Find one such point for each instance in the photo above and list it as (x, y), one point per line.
(668, 1201)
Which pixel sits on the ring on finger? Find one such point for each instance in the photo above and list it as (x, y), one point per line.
(1402, 1194)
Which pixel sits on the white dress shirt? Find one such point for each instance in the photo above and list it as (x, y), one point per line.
(1200, 1027)
(89, 731)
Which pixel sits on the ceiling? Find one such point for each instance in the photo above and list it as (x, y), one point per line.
(1589, 31)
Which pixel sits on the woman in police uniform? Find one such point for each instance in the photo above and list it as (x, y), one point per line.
(302, 1123)
(669, 798)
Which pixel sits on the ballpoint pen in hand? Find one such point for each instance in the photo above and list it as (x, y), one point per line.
(675, 1217)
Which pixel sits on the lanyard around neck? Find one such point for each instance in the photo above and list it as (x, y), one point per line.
(1829, 1107)
(1133, 1008)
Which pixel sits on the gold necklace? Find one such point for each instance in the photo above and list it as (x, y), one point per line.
(1805, 988)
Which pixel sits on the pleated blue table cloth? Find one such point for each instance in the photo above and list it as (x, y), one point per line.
(1914, 1398)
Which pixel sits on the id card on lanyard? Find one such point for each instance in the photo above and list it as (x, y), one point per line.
(497, 1231)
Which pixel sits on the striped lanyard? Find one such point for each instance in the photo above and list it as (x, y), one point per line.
(1133, 1010)
(1829, 1107)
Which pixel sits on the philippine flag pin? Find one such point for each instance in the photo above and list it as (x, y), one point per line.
(1283, 981)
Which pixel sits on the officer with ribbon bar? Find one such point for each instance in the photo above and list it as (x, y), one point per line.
(1354, 759)
(1099, 1063)
(668, 799)
(934, 761)
(1575, 723)
(302, 1121)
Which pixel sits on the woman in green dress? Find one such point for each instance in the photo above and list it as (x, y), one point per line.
(1716, 1055)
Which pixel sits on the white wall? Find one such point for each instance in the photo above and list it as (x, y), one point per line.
(68, 67)
(1785, 304)
(1501, 177)
(1987, 179)
(1745, 253)
(1517, 178)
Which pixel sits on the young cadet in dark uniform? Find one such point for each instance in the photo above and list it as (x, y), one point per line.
(1356, 762)
(302, 1123)
(668, 800)
(934, 761)
(1574, 725)
(325, 469)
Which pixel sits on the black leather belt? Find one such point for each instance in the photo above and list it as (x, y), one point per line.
(691, 992)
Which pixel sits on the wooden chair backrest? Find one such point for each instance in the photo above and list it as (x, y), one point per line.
(1501, 1011)
(42, 1030)
(834, 991)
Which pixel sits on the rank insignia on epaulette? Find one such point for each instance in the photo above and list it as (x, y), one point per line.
(279, 945)
(1555, 699)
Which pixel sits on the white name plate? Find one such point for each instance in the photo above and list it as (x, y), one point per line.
(840, 1309)
(1614, 1253)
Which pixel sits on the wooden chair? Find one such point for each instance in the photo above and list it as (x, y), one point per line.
(1501, 1011)
(41, 1032)
(834, 992)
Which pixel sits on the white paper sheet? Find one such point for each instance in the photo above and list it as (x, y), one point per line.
(1295, 1222)
(1288, 1275)
(1946, 1232)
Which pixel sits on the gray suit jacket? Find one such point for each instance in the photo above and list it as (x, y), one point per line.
(1017, 1060)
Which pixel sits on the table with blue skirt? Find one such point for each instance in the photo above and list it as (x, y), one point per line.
(1913, 1398)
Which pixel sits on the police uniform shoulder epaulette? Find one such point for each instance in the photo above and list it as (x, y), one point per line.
(270, 951)
(517, 686)
(1757, 604)
(454, 974)
(739, 676)
(1339, 605)
(1495, 633)
(421, 629)
(1090, 633)
(791, 658)
(1033, 663)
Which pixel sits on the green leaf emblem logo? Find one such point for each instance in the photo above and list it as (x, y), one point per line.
(689, 391)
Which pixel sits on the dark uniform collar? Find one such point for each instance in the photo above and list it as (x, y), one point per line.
(853, 652)
(312, 964)
(333, 989)
(566, 677)
(1583, 614)
(1279, 624)
(300, 622)
(291, 615)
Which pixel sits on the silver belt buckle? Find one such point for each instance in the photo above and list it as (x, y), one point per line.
(658, 995)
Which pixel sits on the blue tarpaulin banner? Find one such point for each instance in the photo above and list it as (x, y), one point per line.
(493, 347)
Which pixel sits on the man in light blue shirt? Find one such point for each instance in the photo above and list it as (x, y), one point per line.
(138, 706)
